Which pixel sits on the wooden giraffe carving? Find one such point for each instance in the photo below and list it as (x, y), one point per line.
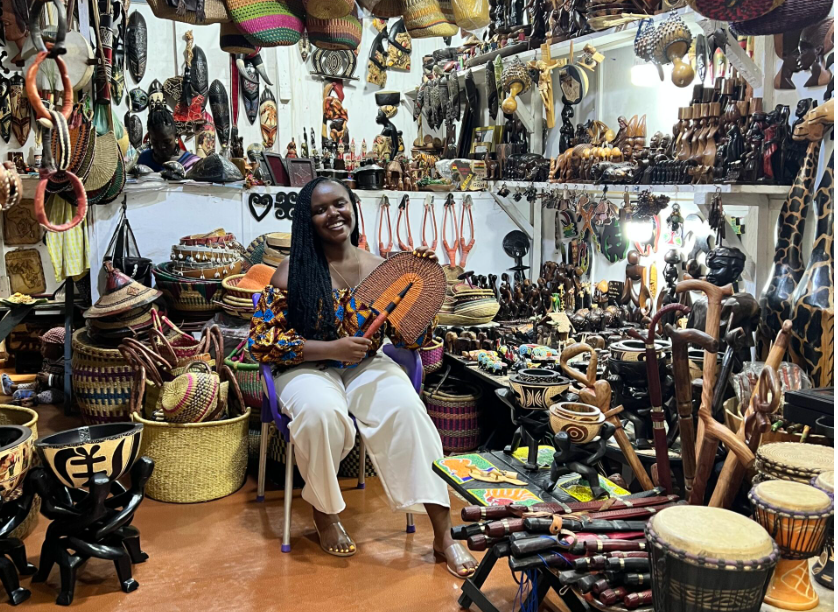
(812, 333)
(776, 299)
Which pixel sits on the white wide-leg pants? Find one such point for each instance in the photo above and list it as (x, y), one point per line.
(400, 437)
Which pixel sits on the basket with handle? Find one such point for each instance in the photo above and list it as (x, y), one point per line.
(431, 356)
(183, 345)
(247, 376)
(101, 380)
(193, 462)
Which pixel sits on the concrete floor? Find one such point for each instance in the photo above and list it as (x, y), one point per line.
(225, 555)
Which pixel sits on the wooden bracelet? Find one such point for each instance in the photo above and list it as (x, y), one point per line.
(81, 203)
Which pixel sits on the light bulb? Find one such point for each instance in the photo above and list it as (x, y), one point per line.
(639, 230)
(644, 75)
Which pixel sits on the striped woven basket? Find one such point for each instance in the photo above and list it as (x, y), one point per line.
(343, 33)
(455, 411)
(249, 378)
(101, 381)
(431, 356)
(195, 462)
(428, 19)
(18, 415)
(186, 295)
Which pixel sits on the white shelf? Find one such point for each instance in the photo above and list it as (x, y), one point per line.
(762, 190)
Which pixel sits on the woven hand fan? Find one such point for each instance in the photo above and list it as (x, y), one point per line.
(421, 303)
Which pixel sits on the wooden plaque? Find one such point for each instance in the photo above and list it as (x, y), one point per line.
(26, 272)
(20, 225)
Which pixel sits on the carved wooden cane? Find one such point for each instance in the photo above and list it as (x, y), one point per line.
(681, 339)
(733, 472)
(706, 449)
(655, 394)
(598, 393)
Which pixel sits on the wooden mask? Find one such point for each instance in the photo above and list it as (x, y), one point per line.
(268, 118)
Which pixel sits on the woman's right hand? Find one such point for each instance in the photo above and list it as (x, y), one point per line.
(350, 350)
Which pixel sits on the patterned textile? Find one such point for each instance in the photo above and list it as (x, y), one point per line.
(56, 335)
(69, 251)
(273, 341)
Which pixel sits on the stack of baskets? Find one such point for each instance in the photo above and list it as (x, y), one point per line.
(198, 265)
(269, 249)
(124, 309)
(193, 462)
(467, 305)
(237, 299)
(453, 407)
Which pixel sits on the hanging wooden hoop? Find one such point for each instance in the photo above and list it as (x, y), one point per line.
(81, 203)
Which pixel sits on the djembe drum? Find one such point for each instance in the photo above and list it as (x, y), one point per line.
(707, 559)
(796, 515)
(793, 461)
(822, 570)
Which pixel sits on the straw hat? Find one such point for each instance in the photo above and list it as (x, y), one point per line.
(122, 293)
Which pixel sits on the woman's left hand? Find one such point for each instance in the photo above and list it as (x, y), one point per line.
(425, 253)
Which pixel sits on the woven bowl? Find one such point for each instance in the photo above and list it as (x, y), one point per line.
(230, 285)
(76, 455)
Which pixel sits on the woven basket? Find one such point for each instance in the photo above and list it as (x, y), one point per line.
(18, 415)
(191, 295)
(431, 356)
(791, 15)
(455, 416)
(101, 381)
(478, 310)
(249, 378)
(195, 462)
(328, 9)
(230, 285)
(213, 12)
(427, 19)
(471, 15)
(343, 33)
(385, 9)
(192, 397)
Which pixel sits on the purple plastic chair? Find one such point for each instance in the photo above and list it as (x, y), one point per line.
(407, 359)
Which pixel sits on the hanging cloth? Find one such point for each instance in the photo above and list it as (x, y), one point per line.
(69, 251)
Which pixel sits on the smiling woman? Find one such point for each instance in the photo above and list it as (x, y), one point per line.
(307, 324)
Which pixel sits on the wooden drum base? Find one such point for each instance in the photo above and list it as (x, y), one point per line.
(791, 587)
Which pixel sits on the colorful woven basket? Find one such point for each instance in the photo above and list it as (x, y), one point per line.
(231, 40)
(429, 18)
(268, 23)
(343, 33)
(101, 381)
(385, 9)
(18, 415)
(431, 356)
(328, 9)
(186, 294)
(192, 397)
(195, 462)
(455, 410)
(249, 378)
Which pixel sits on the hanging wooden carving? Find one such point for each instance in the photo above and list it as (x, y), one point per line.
(250, 92)
(21, 111)
(20, 225)
(268, 118)
(5, 109)
(136, 38)
(26, 272)
(776, 299)
(334, 64)
(813, 315)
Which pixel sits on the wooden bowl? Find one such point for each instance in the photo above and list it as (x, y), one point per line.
(537, 394)
(76, 455)
(15, 459)
(581, 422)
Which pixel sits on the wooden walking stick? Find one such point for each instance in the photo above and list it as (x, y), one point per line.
(598, 393)
(733, 472)
(656, 396)
(706, 450)
(681, 339)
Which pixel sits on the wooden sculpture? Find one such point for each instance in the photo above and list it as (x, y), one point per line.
(545, 67)
(706, 445)
(598, 393)
(733, 472)
(776, 299)
(813, 305)
(516, 80)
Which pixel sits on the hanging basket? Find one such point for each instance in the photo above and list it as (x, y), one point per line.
(339, 34)
(101, 380)
(455, 410)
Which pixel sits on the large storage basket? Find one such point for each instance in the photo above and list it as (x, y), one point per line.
(101, 381)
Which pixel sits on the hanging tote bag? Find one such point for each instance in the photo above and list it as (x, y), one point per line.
(268, 23)
(124, 254)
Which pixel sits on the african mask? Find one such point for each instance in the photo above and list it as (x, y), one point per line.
(118, 73)
(136, 40)
(21, 111)
(250, 92)
(5, 109)
(155, 94)
(137, 100)
(268, 118)
(205, 138)
(220, 107)
(134, 125)
(725, 265)
(200, 75)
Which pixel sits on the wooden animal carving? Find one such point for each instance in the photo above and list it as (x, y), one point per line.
(813, 315)
(776, 299)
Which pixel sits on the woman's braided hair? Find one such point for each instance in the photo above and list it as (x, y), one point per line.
(310, 304)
